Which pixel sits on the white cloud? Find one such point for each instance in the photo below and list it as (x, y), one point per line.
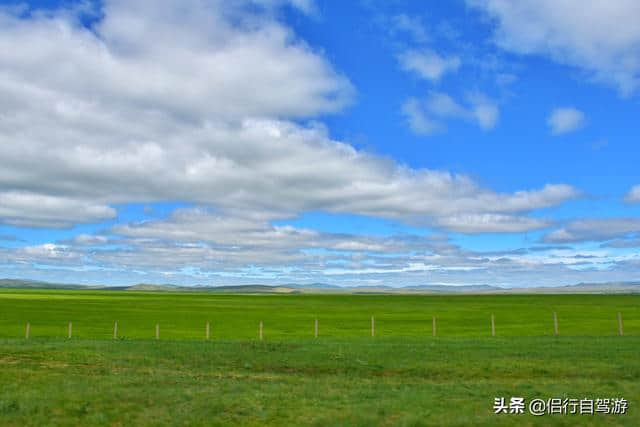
(442, 105)
(565, 120)
(411, 25)
(633, 196)
(192, 60)
(594, 230)
(25, 209)
(485, 112)
(418, 120)
(600, 37)
(134, 95)
(426, 117)
(491, 223)
(47, 253)
(89, 239)
(427, 64)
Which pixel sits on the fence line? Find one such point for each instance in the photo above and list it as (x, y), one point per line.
(316, 328)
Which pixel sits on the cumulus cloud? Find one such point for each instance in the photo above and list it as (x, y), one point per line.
(185, 59)
(491, 223)
(427, 64)
(600, 37)
(419, 122)
(633, 196)
(427, 116)
(135, 92)
(565, 120)
(48, 254)
(422, 60)
(594, 230)
(25, 209)
(410, 24)
(89, 239)
(484, 111)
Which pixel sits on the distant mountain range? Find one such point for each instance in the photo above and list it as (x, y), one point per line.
(591, 288)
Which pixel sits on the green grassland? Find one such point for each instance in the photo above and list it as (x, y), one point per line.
(402, 376)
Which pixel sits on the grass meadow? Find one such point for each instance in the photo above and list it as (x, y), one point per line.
(402, 376)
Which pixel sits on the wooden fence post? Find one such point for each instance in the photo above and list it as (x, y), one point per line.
(433, 327)
(316, 329)
(555, 323)
(27, 331)
(70, 329)
(620, 330)
(261, 330)
(157, 331)
(115, 330)
(373, 326)
(493, 325)
(207, 331)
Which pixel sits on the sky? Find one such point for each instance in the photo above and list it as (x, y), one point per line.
(361, 143)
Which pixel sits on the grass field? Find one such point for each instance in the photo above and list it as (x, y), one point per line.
(403, 376)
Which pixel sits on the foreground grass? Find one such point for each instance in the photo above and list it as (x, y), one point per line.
(392, 381)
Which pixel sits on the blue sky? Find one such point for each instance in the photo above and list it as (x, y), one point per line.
(360, 143)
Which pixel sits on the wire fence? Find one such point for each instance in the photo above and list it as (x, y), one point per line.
(315, 330)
